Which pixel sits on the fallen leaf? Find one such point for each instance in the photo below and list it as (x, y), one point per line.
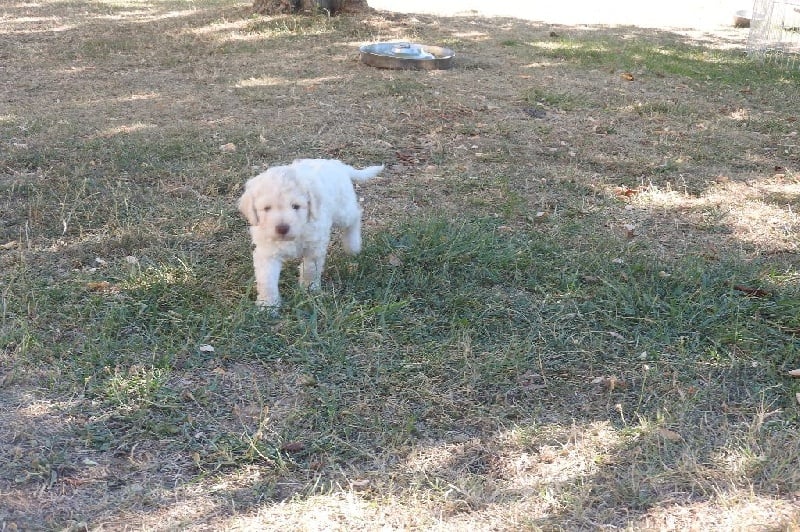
(688, 392)
(794, 373)
(205, 348)
(630, 230)
(614, 382)
(610, 383)
(407, 157)
(535, 112)
(293, 447)
(102, 286)
(228, 148)
(627, 76)
(184, 192)
(751, 291)
(9, 245)
(395, 261)
(306, 380)
(359, 484)
(626, 191)
(669, 434)
(547, 454)
(531, 380)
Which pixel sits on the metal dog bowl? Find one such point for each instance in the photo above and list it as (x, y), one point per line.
(404, 55)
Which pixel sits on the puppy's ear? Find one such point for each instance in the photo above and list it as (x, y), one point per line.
(312, 199)
(312, 207)
(247, 208)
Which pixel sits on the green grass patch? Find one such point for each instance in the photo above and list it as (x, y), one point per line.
(523, 339)
(672, 59)
(558, 100)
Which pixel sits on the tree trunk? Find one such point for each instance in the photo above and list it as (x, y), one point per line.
(284, 7)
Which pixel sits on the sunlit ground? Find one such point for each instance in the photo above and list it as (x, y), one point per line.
(675, 14)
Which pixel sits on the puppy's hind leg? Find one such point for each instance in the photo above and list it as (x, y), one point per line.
(351, 237)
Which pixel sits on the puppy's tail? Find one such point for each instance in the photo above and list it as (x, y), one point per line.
(367, 173)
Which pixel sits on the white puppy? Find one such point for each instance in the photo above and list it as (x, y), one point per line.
(291, 210)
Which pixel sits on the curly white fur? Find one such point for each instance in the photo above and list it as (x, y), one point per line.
(291, 211)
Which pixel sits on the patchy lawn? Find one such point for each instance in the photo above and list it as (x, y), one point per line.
(577, 306)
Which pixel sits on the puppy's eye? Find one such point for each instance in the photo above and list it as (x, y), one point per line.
(296, 206)
(267, 208)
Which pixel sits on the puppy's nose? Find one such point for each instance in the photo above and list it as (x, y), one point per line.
(282, 229)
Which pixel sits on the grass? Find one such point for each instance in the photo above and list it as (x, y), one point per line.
(687, 60)
(578, 318)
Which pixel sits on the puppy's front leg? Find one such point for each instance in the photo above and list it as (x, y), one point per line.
(268, 271)
(313, 262)
(311, 271)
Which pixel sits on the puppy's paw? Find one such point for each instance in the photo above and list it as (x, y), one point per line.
(314, 286)
(271, 309)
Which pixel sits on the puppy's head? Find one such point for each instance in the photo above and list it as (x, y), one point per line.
(276, 203)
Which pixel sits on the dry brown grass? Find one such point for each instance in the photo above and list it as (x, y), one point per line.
(542, 402)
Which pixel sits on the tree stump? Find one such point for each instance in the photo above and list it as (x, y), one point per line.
(273, 7)
(285, 7)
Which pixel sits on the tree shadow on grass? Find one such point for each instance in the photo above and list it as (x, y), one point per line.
(490, 367)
